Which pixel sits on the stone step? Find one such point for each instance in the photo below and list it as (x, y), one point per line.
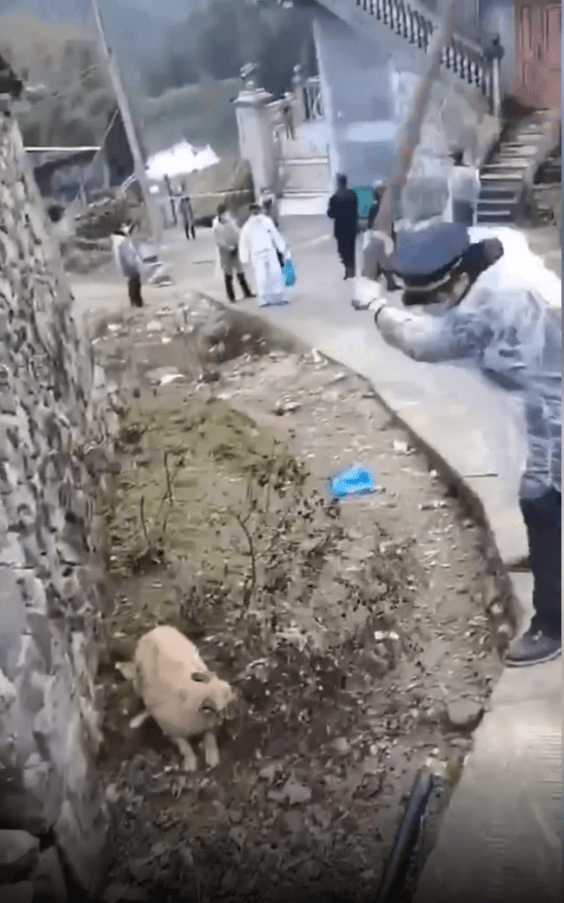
(495, 203)
(505, 195)
(304, 161)
(519, 146)
(498, 177)
(492, 218)
(510, 165)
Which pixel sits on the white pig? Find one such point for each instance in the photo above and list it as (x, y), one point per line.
(179, 692)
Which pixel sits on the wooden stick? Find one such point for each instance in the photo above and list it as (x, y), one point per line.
(412, 132)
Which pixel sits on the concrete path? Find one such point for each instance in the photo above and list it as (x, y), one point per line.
(501, 837)
(500, 841)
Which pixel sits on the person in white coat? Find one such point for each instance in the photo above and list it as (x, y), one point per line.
(262, 246)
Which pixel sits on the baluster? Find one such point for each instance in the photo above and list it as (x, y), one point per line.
(428, 32)
(420, 33)
(404, 22)
(454, 56)
(410, 27)
(372, 7)
(401, 19)
(463, 63)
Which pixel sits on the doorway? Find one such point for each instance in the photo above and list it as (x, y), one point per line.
(539, 34)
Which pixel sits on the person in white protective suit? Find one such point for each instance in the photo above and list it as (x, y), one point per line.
(262, 246)
(515, 338)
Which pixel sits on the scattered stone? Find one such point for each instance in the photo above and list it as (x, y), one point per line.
(269, 772)
(296, 793)
(19, 852)
(341, 746)
(464, 714)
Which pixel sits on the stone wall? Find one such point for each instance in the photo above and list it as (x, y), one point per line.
(53, 402)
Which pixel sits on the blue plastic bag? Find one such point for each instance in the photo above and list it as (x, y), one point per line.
(289, 272)
(354, 481)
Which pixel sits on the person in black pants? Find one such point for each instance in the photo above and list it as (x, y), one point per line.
(128, 261)
(343, 210)
(516, 340)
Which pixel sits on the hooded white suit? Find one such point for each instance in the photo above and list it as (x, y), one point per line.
(258, 244)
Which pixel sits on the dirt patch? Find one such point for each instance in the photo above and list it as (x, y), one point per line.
(347, 628)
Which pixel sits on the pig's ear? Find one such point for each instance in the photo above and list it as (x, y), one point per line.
(201, 677)
(208, 706)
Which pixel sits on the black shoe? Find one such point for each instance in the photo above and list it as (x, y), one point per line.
(533, 648)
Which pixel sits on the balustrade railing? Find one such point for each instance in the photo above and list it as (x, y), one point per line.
(463, 57)
(313, 100)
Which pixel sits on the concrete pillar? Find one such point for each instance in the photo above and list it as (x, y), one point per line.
(298, 86)
(256, 139)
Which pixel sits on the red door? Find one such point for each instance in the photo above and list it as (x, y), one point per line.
(539, 32)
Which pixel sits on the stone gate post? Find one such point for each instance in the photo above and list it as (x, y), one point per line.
(256, 138)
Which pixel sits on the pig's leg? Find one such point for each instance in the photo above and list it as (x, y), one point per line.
(187, 753)
(211, 752)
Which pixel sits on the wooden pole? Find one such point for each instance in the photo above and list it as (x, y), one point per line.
(412, 131)
(139, 163)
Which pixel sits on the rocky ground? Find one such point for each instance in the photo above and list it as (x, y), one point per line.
(356, 633)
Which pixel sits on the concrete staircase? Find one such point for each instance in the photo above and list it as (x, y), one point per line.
(503, 175)
(304, 171)
(417, 25)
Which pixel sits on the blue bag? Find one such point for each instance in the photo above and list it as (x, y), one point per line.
(289, 272)
(354, 481)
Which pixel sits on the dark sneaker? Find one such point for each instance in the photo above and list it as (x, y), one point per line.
(533, 648)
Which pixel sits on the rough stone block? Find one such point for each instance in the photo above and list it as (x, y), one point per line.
(19, 852)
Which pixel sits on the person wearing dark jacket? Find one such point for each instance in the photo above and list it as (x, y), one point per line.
(343, 210)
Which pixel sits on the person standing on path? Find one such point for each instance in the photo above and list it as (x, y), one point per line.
(375, 207)
(516, 340)
(465, 190)
(262, 246)
(187, 214)
(343, 210)
(226, 234)
(288, 117)
(128, 261)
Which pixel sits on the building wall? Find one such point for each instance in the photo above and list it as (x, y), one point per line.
(367, 89)
(355, 82)
(53, 402)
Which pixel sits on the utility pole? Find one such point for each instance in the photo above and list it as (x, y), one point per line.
(123, 104)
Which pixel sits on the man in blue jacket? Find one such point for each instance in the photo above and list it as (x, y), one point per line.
(516, 340)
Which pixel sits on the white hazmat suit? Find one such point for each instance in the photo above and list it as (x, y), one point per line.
(259, 243)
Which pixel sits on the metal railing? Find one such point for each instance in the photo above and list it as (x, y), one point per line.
(313, 100)
(463, 57)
